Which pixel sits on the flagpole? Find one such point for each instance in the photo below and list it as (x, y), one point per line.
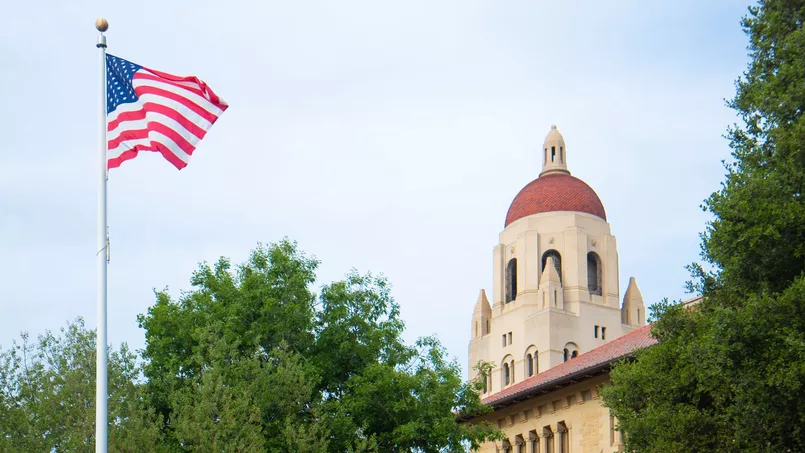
(101, 394)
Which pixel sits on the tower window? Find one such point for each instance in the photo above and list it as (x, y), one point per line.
(511, 280)
(553, 153)
(505, 374)
(512, 371)
(504, 339)
(487, 327)
(510, 338)
(594, 273)
(530, 365)
(596, 332)
(561, 155)
(570, 351)
(603, 333)
(557, 262)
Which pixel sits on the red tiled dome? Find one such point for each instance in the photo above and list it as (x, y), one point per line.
(555, 192)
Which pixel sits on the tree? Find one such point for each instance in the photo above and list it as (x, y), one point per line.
(248, 360)
(728, 375)
(47, 396)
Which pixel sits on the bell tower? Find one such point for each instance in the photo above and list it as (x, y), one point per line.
(555, 288)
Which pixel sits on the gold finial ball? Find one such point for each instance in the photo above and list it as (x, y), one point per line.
(101, 24)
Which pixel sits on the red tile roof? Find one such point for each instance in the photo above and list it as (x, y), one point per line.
(555, 192)
(580, 366)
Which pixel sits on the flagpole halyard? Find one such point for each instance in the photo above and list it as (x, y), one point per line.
(101, 388)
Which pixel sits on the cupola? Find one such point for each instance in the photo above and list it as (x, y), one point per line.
(554, 153)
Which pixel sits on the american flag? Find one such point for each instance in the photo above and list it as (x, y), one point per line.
(149, 110)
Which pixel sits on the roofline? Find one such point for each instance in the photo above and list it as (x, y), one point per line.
(562, 381)
(550, 386)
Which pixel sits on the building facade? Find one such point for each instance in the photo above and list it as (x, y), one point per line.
(556, 320)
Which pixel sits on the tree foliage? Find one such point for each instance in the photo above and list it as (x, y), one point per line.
(252, 358)
(248, 360)
(47, 396)
(728, 375)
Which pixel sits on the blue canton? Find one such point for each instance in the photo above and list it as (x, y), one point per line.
(119, 74)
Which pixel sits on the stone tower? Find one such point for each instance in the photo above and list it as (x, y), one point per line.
(555, 271)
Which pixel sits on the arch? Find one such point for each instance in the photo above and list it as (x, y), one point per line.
(506, 371)
(531, 361)
(594, 273)
(571, 351)
(512, 371)
(511, 280)
(557, 261)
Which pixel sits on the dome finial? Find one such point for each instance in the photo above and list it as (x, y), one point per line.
(554, 158)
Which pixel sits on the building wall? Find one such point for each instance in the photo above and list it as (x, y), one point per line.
(578, 408)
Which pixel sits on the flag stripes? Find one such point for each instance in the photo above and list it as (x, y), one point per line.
(150, 110)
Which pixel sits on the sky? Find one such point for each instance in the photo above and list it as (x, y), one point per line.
(387, 137)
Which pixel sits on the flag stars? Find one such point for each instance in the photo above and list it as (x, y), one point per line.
(119, 77)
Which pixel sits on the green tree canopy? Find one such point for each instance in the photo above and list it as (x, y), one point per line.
(47, 396)
(727, 376)
(248, 360)
(251, 360)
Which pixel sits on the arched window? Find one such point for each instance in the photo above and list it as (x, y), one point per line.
(506, 374)
(511, 280)
(530, 365)
(571, 351)
(557, 261)
(594, 273)
(512, 371)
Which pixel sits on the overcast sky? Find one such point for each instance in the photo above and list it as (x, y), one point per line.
(386, 136)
